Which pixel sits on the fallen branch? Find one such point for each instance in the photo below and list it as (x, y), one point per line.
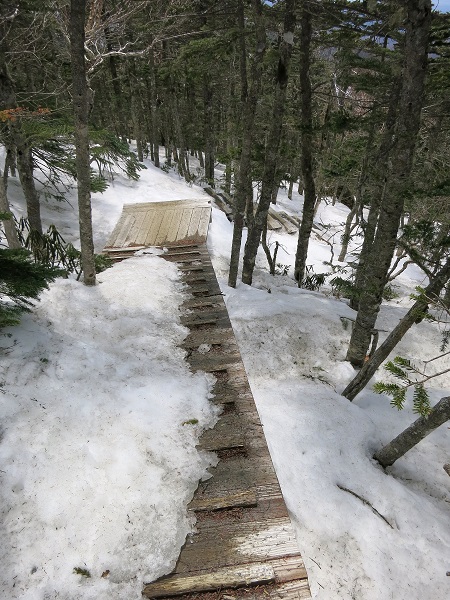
(366, 502)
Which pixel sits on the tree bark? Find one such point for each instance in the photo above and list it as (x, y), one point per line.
(249, 101)
(273, 144)
(81, 109)
(416, 312)
(8, 224)
(378, 166)
(414, 433)
(306, 140)
(19, 141)
(208, 131)
(407, 127)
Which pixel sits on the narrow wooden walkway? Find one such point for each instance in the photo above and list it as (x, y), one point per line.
(244, 545)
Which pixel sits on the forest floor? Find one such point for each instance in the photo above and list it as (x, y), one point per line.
(100, 416)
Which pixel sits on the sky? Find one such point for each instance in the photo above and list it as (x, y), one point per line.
(442, 5)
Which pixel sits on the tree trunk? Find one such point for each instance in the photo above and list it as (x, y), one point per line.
(446, 298)
(306, 139)
(81, 110)
(415, 313)
(249, 101)
(154, 111)
(8, 224)
(378, 166)
(208, 132)
(19, 141)
(408, 123)
(25, 168)
(414, 434)
(273, 143)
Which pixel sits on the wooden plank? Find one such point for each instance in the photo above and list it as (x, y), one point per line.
(205, 220)
(172, 234)
(133, 236)
(170, 204)
(273, 223)
(166, 222)
(221, 578)
(215, 362)
(194, 223)
(145, 226)
(115, 232)
(157, 217)
(184, 223)
(240, 500)
(128, 223)
(287, 225)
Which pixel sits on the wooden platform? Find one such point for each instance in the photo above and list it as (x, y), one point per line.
(244, 545)
(161, 224)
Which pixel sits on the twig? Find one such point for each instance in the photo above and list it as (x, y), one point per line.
(364, 501)
(436, 357)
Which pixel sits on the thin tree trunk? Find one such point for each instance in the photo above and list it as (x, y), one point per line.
(81, 110)
(249, 101)
(136, 109)
(8, 224)
(306, 139)
(414, 314)
(414, 434)
(273, 144)
(408, 123)
(154, 111)
(208, 132)
(25, 168)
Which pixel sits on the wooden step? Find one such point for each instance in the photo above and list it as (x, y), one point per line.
(244, 499)
(253, 574)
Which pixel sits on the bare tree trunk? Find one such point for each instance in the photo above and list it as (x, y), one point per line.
(25, 168)
(306, 139)
(408, 123)
(208, 132)
(154, 111)
(8, 224)
(414, 314)
(249, 101)
(414, 434)
(81, 110)
(273, 143)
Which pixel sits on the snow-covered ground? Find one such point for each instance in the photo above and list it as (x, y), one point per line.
(97, 452)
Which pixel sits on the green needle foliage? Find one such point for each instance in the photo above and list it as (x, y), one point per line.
(21, 282)
(403, 369)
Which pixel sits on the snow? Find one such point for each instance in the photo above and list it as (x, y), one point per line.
(98, 460)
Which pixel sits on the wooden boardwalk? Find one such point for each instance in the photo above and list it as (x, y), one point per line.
(244, 545)
(160, 224)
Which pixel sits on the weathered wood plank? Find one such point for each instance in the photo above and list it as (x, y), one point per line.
(133, 236)
(194, 223)
(172, 234)
(276, 571)
(273, 223)
(240, 500)
(228, 577)
(166, 222)
(157, 217)
(171, 204)
(127, 224)
(184, 223)
(145, 226)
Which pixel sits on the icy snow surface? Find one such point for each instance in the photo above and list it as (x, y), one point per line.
(98, 462)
